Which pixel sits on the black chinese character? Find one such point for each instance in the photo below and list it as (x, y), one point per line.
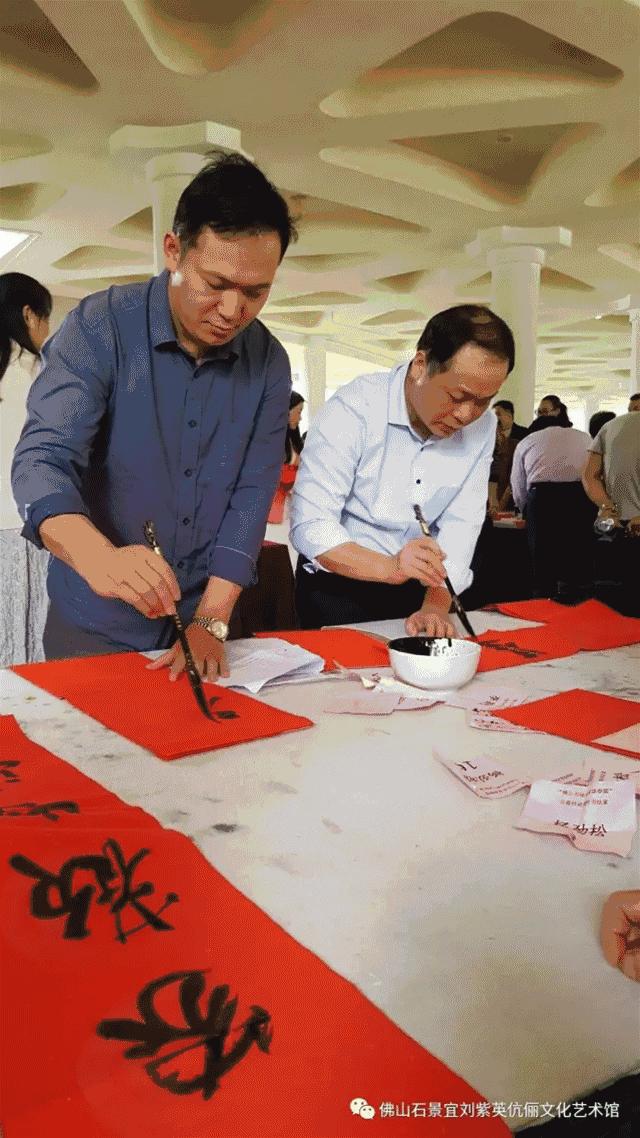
(151, 1033)
(7, 769)
(113, 874)
(222, 714)
(511, 646)
(48, 810)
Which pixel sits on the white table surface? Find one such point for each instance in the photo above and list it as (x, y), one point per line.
(478, 939)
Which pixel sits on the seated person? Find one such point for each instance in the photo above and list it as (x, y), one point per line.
(546, 486)
(598, 420)
(422, 434)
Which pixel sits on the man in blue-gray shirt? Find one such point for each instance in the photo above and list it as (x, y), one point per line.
(165, 401)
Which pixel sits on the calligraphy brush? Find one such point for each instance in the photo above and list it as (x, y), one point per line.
(455, 600)
(192, 671)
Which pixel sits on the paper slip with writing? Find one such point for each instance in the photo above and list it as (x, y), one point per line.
(371, 700)
(481, 696)
(598, 817)
(478, 717)
(486, 777)
(255, 663)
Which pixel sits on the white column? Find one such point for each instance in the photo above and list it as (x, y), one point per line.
(315, 363)
(515, 290)
(515, 257)
(631, 305)
(634, 379)
(168, 175)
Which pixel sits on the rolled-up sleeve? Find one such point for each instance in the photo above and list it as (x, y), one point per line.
(65, 407)
(235, 552)
(519, 477)
(325, 479)
(458, 527)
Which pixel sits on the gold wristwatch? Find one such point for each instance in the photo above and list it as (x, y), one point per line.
(214, 626)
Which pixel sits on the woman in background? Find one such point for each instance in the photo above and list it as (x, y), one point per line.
(553, 407)
(278, 520)
(25, 308)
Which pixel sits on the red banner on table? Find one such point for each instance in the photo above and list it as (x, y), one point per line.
(149, 709)
(591, 625)
(347, 646)
(144, 995)
(583, 716)
(522, 646)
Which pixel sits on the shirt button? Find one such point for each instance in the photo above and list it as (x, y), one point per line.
(188, 472)
(193, 423)
(418, 481)
(186, 521)
(181, 565)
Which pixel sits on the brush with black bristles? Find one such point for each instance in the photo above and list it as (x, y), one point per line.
(455, 600)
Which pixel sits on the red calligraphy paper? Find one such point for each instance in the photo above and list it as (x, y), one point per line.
(591, 625)
(220, 1023)
(583, 716)
(522, 646)
(347, 646)
(147, 708)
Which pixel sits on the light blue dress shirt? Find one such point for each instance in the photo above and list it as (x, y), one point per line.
(363, 467)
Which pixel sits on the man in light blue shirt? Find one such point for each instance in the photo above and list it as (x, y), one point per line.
(166, 401)
(421, 434)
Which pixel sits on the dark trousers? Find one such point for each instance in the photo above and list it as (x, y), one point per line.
(327, 598)
(62, 640)
(561, 542)
(617, 572)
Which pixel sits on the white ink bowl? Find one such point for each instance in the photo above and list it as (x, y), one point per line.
(434, 661)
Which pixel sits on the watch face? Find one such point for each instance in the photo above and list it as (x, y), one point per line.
(219, 629)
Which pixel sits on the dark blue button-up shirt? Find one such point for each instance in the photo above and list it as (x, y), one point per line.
(124, 426)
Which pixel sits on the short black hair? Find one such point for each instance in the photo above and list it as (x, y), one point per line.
(506, 405)
(598, 420)
(632, 398)
(231, 195)
(450, 330)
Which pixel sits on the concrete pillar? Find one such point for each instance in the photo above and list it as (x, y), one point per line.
(168, 175)
(515, 257)
(631, 305)
(315, 363)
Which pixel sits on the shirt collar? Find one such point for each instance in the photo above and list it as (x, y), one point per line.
(398, 415)
(161, 325)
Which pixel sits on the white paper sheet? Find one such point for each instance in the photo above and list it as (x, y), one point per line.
(255, 663)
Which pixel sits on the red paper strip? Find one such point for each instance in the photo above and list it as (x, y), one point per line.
(591, 625)
(522, 646)
(349, 647)
(148, 709)
(217, 1023)
(582, 716)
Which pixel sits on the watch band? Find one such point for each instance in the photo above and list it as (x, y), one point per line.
(214, 625)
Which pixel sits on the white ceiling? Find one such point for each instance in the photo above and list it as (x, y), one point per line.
(398, 129)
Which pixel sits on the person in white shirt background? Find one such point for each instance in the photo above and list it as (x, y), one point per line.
(25, 308)
(421, 434)
(547, 488)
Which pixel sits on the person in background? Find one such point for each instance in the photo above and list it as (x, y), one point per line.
(634, 402)
(553, 407)
(620, 931)
(504, 412)
(422, 434)
(278, 521)
(598, 420)
(508, 436)
(164, 400)
(546, 487)
(612, 481)
(25, 308)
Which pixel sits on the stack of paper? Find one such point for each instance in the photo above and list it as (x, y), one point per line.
(256, 663)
